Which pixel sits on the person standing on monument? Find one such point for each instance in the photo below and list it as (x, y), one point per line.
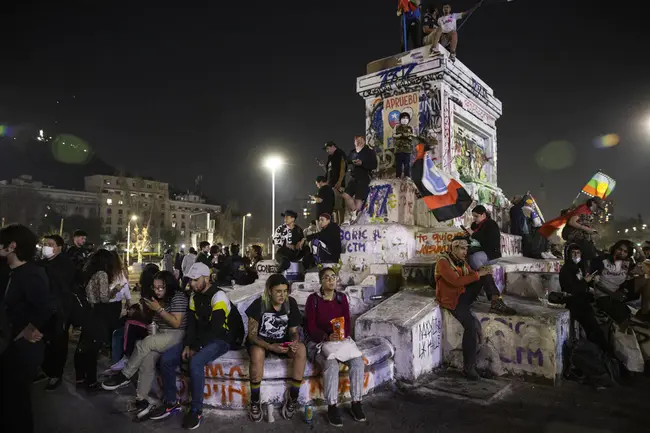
(447, 26)
(324, 199)
(335, 170)
(403, 140)
(364, 161)
(429, 25)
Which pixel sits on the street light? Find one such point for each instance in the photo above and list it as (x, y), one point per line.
(128, 237)
(272, 163)
(243, 228)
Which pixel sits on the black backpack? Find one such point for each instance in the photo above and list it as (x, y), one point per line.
(585, 362)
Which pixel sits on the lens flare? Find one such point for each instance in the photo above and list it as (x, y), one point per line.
(605, 141)
(70, 149)
(556, 155)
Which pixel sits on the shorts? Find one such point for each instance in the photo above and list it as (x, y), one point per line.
(358, 189)
(266, 352)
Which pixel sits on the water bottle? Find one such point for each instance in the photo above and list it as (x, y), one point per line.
(269, 413)
(152, 328)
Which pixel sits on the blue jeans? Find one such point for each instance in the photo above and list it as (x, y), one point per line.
(117, 345)
(170, 361)
(478, 260)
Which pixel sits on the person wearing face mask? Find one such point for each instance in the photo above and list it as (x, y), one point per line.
(575, 282)
(61, 273)
(402, 139)
(30, 309)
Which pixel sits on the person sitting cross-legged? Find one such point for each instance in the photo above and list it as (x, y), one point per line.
(457, 287)
(273, 321)
(169, 306)
(321, 309)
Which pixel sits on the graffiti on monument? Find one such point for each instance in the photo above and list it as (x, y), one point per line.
(429, 244)
(470, 156)
(520, 342)
(397, 73)
(428, 336)
(380, 199)
(355, 239)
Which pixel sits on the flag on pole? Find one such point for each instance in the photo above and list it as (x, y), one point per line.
(444, 196)
(600, 186)
(405, 6)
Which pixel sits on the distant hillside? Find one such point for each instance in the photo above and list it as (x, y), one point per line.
(35, 158)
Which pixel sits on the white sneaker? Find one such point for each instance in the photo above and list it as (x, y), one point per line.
(119, 365)
(547, 255)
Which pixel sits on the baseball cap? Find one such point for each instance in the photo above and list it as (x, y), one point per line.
(326, 215)
(290, 213)
(198, 270)
(329, 144)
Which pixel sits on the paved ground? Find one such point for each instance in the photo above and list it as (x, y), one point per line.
(440, 406)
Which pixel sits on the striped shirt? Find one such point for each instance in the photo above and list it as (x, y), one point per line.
(177, 305)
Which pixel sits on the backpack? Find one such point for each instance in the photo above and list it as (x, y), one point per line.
(586, 363)
(236, 328)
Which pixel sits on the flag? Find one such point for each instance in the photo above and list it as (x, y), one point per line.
(600, 185)
(530, 201)
(554, 225)
(444, 196)
(405, 6)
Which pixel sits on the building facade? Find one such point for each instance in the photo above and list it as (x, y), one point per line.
(192, 218)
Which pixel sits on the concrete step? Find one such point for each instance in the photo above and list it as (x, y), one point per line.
(527, 345)
(532, 285)
(432, 242)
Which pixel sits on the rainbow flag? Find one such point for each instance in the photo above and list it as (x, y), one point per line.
(600, 185)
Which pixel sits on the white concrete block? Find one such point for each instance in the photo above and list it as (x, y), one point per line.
(266, 268)
(377, 243)
(389, 201)
(303, 286)
(411, 322)
(379, 269)
(528, 345)
(532, 284)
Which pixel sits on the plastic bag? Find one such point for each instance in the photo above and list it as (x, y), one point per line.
(627, 349)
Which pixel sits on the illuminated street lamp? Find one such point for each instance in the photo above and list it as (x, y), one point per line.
(272, 163)
(243, 229)
(128, 237)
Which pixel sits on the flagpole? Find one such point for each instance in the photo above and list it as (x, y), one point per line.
(404, 26)
(470, 14)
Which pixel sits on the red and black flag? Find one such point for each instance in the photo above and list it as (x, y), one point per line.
(444, 196)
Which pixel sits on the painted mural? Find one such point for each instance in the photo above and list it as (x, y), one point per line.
(394, 107)
(471, 158)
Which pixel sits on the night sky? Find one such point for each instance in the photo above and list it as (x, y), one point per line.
(174, 92)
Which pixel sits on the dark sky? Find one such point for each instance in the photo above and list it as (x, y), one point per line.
(173, 92)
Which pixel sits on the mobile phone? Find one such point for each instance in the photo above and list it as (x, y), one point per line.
(286, 344)
(464, 229)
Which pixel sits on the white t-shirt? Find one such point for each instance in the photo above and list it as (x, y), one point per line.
(448, 22)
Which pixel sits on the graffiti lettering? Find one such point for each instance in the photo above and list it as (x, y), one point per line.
(377, 201)
(533, 355)
(354, 240)
(434, 243)
(396, 73)
(263, 268)
(404, 85)
(428, 336)
(478, 89)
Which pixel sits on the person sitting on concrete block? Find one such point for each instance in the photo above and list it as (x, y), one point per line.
(457, 287)
(273, 321)
(447, 26)
(322, 310)
(207, 338)
(327, 241)
(290, 239)
(486, 231)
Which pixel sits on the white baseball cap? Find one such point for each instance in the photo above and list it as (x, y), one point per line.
(198, 270)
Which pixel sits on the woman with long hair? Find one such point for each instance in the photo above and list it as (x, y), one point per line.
(273, 321)
(100, 274)
(169, 306)
(324, 311)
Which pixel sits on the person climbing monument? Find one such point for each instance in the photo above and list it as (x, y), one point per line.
(363, 161)
(403, 140)
(412, 16)
(447, 27)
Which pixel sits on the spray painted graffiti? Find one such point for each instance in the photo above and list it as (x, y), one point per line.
(403, 85)
(399, 72)
(379, 200)
(478, 90)
(354, 240)
(429, 336)
(518, 341)
(430, 244)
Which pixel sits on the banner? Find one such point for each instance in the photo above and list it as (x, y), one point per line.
(600, 185)
(394, 106)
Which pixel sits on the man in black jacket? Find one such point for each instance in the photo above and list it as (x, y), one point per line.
(486, 231)
(61, 273)
(364, 161)
(206, 339)
(328, 247)
(324, 199)
(336, 166)
(30, 309)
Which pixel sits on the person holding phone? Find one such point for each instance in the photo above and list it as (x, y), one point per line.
(169, 306)
(273, 321)
(575, 281)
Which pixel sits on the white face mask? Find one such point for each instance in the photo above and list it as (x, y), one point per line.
(404, 121)
(576, 260)
(48, 252)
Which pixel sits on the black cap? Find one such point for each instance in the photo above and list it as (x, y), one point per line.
(290, 213)
(329, 144)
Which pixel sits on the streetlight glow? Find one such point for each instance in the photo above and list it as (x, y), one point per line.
(128, 238)
(134, 217)
(243, 228)
(273, 162)
(249, 215)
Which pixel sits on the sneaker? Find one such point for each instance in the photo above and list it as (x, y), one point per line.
(92, 388)
(548, 255)
(41, 377)
(162, 412)
(357, 412)
(255, 412)
(53, 384)
(334, 416)
(192, 420)
(142, 408)
(288, 408)
(471, 374)
(119, 365)
(499, 307)
(116, 382)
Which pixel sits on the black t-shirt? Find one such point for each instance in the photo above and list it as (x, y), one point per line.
(336, 168)
(429, 21)
(274, 325)
(325, 193)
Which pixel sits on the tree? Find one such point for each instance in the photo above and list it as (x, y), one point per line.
(225, 226)
(169, 238)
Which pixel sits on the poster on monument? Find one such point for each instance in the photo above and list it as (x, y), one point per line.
(396, 107)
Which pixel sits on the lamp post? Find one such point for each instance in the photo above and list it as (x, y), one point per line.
(128, 237)
(272, 163)
(243, 229)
